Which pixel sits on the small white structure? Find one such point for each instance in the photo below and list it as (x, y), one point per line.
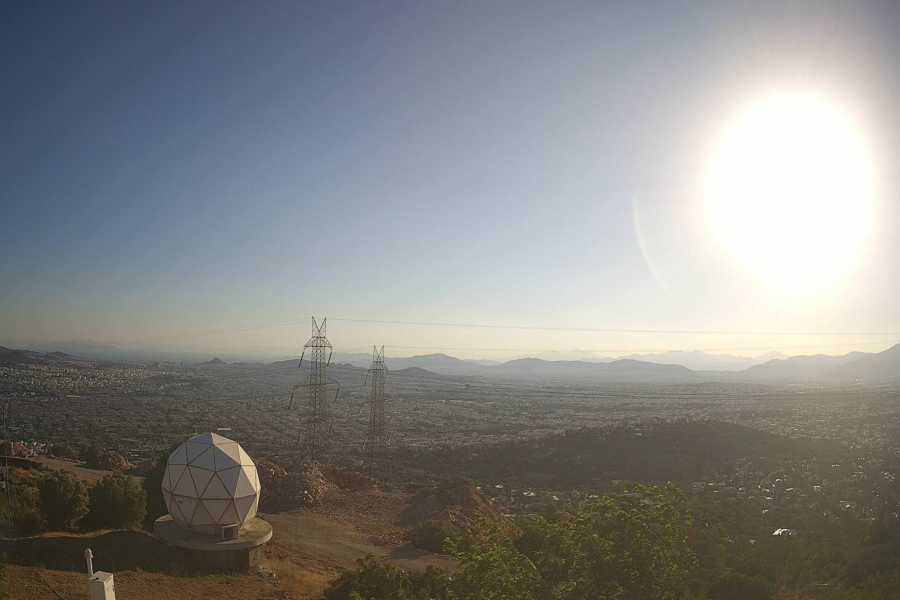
(210, 483)
(102, 585)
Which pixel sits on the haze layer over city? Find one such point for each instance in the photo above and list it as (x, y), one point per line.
(457, 289)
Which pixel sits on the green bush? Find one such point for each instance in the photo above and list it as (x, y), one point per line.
(63, 500)
(430, 535)
(62, 451)
(737, 586)
(377, 581)
(117, 502)
(630, 546)
(91, 453)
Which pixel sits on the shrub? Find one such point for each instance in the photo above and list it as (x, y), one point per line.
(63, 499)
(737, 586)
(430, 535)
(117, 502)
(91, 453)
(61, 451)
(156, 504)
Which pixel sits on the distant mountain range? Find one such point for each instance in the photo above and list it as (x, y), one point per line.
(669, 366)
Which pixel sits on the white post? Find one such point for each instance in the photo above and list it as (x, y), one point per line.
(88, 556)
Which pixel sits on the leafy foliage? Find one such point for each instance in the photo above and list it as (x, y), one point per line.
(63, 500)
(737, 586)
(373, 580)
(156, 504)
(630, 546)
(91, 453)
(117, 502)
(62, 451)
(430, 535)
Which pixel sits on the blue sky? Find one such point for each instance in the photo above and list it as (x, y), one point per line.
(172, 167)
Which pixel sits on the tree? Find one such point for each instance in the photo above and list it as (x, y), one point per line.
(156, 504)
(91, 453)
(63, 499)
(117, 502)
(62, 451)
(431, 535)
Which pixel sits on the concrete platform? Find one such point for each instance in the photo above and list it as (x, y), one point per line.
(212, 552)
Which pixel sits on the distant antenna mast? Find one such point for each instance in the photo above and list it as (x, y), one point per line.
(315, 423)
(375, 450)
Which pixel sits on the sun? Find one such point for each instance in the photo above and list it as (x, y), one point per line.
(789, 191)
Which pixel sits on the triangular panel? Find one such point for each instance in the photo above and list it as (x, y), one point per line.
(205, 460)
(215, 489)
(232, 450)
(245, 458)
(230, 478)
(175, 472)
(175, 512)
(223, 460)
(179, 457)
(202, 516)
(201, 478)
(203, 438)
(245, 483)
(215, 438)
(167, 496)
(230, 516)
(216, 507)
(194, 450)
(185, 486)
(186, 506)
(254, 508)
(166, 486)
(243, 506)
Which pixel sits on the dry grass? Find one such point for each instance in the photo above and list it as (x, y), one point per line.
(300, 582)
(32, 583)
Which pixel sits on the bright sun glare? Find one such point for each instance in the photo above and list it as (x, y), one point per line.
(790, 191)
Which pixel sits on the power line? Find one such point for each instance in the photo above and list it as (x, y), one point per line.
(624, 351)
(615, 330)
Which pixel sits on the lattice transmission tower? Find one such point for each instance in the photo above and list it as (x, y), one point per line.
(315, 422)
(375, 450)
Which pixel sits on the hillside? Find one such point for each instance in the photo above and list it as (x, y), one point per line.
(884, 366)
(415, 372)
(681, 451)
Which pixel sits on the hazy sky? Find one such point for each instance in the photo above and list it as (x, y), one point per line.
(172, 167)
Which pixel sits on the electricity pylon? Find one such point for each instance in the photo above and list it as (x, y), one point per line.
(315, 423)
(375, 450)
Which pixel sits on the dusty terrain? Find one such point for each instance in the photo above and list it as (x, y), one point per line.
(310, 548)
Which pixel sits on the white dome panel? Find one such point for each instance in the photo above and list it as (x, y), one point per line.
(185, 486)
(229, 478)
(201, 478)
(245, 482)
(216, 508)
(244, 506)
(166, 486)
(179, 456)
(223, 460)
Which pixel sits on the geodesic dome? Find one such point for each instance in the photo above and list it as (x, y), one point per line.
(210, 482)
